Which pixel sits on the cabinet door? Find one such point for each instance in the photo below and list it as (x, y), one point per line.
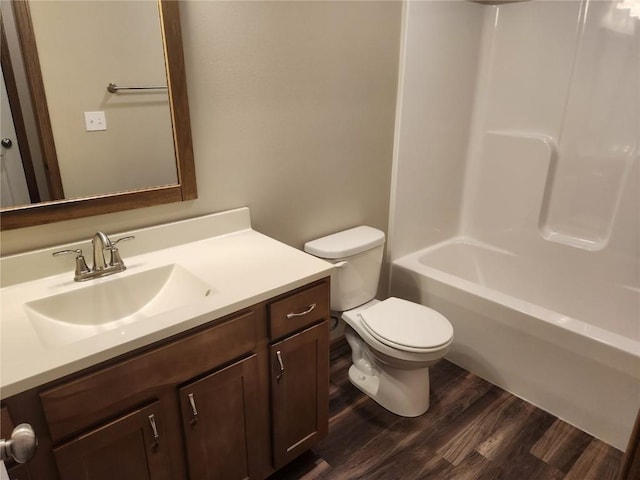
(218, 414)
(300, 392)
(131, 447)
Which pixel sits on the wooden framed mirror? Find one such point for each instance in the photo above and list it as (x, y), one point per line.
(63, 208)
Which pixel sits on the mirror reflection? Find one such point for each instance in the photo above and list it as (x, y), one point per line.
(97, 142)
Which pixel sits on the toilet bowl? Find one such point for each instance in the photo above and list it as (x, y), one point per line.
(394, 341)
(393, 344)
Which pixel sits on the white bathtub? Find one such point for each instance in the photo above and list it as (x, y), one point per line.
(552, 329)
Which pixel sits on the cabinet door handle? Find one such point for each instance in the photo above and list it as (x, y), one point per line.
(281, 374)
(300, 314)
(194, 410)
(154, 428)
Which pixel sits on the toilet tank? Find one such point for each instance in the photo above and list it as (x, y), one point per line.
(357, 254)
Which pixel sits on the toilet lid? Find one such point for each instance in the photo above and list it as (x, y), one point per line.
(406, 325)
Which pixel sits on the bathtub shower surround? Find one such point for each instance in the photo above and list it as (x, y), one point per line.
(519, 326)
(530, 241)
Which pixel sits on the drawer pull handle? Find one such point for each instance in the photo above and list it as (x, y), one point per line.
(300, 314)
(281, 374)
(154, 428)
(194, 410)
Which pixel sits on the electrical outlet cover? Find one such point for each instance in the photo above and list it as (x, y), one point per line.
(95, 121)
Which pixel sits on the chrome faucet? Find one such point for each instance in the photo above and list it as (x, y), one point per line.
(101, 268)
(100, 242)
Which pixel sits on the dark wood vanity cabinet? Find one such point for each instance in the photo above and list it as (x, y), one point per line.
(220, 424)
(299, 363)
(212, 403)
(300, 403)
(133, 445)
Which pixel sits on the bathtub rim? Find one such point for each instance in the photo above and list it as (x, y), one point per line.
(603, 341)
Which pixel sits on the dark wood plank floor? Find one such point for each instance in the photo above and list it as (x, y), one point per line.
(472, 431)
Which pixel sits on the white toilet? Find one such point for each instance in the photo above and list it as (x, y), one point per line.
(394, 341)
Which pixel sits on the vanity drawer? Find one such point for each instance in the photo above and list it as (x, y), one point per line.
(299, 310)
(103, 394)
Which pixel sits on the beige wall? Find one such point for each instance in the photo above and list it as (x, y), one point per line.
(292, 111)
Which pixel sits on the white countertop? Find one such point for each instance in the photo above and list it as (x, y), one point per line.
(242, 266)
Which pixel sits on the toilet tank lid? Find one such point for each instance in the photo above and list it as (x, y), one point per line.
(346, 243)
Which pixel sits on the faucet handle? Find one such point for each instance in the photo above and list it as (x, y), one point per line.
(128, 237)
(81, 263)
(116, 260)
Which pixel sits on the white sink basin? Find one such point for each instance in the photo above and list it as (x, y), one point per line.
(113, 302)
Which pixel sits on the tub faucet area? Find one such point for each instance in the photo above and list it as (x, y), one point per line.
(101, 268)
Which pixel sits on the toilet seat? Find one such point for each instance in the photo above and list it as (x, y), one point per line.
(406, 326)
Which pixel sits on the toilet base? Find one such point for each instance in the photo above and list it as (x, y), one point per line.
(403, 392)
